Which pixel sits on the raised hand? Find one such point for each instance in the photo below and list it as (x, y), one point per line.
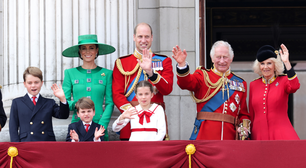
(146, 62)
(179, 56)
(128, 113)
(58, 92)
(284, 53)
(74, 135)
(99, 133)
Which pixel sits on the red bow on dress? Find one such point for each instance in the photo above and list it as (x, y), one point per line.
(141, 116)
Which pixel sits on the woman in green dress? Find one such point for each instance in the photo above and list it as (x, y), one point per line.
(90, 80)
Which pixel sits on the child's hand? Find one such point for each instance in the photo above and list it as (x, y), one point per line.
(74, 136)
(128, 113)
(99, 133)
(58, 92)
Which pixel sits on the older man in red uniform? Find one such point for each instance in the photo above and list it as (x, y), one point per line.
(220, 95)
(141, 65)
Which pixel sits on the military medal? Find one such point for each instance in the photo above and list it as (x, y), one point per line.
(237, 98)
(233, 107)
(160, 65)
(157, 65)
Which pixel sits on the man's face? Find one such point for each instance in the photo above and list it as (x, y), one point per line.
(143, 38)
(222, 59)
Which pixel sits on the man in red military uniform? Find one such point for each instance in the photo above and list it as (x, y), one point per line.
(141, 65)
(220, 95)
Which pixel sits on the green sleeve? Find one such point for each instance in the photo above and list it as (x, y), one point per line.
(68, 87)
(109, 104)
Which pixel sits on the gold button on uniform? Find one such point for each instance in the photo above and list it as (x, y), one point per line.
(32, 133)
(31, 123)
(43, 132)
(42, 122)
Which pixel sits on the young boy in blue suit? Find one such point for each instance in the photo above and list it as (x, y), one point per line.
(85, 129)
(31, 115)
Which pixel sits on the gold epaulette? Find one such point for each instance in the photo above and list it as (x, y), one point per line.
(160, 54)
(124, 56)
(282, 75)
(199, 67)
(210, 85)
(238, 76)
(202, 68)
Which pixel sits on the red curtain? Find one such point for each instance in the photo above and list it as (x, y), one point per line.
(156, 154)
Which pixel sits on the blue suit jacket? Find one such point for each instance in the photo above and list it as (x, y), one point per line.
(34, 123)
(80, 130)
(2, 113)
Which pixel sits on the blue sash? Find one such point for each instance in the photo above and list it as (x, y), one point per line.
(212, 105)
(132, 95)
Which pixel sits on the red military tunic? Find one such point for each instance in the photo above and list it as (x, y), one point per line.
(268, 105)
(218, 103)
(162, 80)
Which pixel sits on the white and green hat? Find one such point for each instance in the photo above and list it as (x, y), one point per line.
(88, 39)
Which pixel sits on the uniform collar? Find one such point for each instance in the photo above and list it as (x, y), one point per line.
(228, 72)
(271, 80)
(138, 55)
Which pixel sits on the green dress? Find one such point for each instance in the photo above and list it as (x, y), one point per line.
(92, 83)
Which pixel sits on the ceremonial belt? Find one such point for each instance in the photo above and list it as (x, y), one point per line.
(216, 117)
(144, 129)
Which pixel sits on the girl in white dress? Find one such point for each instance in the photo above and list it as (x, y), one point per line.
(147, 120)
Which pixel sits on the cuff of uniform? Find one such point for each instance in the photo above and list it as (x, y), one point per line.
(155, 77)
(291, 74)
(125, 106)
(182, 72)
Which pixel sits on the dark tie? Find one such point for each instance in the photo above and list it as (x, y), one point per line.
(141, 116)
(87, 126)
(34, 101)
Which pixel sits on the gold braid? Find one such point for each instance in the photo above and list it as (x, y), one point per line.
(210, 85)
(120, 68)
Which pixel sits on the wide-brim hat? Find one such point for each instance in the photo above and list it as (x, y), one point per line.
(88, 39)
(265, 52)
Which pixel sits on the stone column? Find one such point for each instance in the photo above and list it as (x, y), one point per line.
(35, 32)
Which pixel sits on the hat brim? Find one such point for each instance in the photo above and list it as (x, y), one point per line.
(73, 51)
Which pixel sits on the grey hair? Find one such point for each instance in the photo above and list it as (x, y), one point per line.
(222, 43)
(278, 66)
